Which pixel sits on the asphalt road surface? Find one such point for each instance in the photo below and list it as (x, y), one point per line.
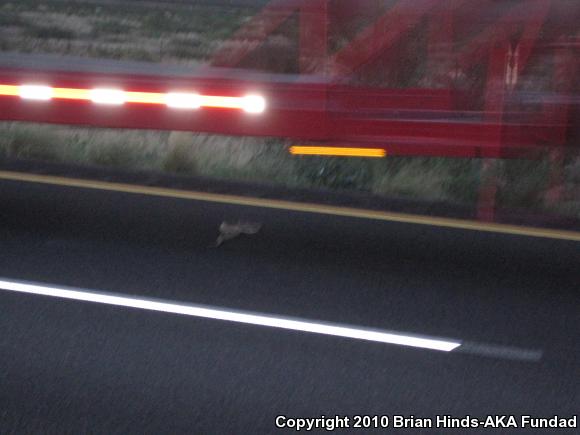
(78, 367)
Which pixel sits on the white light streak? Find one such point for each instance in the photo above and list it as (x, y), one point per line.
(254, 104)
(183, 100)
(35, 92)
(108, 96)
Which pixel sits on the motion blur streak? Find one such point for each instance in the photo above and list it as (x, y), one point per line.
(183, 100)
(337, 151)
(145, 97)
(248, 103)
(222, 102)
(36, 92)
(254, 104)
(9, 90)
(108, 96)
(232, 316)
(71, 94)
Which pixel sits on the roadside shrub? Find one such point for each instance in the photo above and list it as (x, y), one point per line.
(525, 182)
(50, 32)
(463, 179)
(112, 155)
(412, 178)
(179, 160)
(573, 171)
(335, 172)
(109, 27)
(36, 144)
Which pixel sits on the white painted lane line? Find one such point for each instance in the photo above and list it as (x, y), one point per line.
(291, 323)
(208, 312)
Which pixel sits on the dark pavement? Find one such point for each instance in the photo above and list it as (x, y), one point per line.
(75, 367)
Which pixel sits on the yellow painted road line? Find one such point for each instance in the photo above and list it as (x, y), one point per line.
(293, 206)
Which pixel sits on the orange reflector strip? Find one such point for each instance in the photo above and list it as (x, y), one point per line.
(222, 102)
(71, 94)
(338, 151)
(145, 97)
(250, 104)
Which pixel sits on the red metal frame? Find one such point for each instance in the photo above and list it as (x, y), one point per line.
(324, 105)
